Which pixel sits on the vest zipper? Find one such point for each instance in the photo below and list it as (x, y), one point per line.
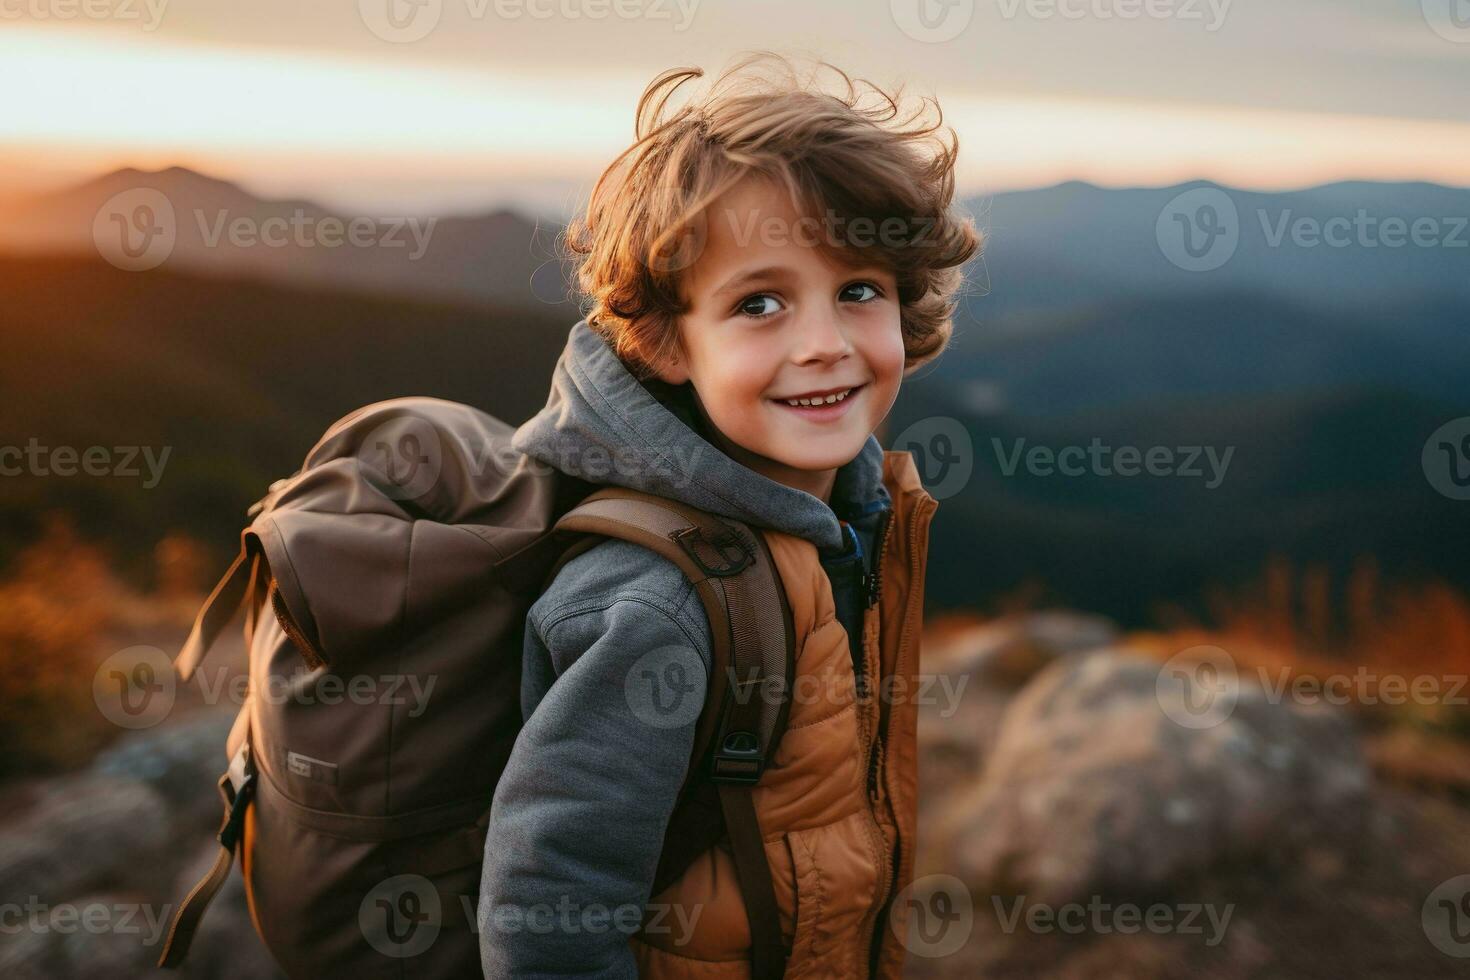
(880, 849)
(923, 509)
(874, 580)
(880, 842)
(875, 591)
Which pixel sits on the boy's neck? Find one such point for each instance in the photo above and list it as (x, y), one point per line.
(818, 483)
(684, 402)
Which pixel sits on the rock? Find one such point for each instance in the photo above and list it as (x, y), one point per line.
(112, 935)
(96, 856)
(102, 934)
(86, 831)
(29, 954)
(1009, 652)
(182, 761)
(1096, 787)
(983, 666)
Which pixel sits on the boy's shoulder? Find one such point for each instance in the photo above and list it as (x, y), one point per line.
(614, 572)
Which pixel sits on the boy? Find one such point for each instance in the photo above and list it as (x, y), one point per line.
(742, 372)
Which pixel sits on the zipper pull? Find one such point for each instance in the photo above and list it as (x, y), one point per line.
(872, 578)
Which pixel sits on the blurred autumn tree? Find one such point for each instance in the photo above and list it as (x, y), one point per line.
(55, 608)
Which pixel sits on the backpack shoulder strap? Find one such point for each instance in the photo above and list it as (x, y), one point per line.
(750, 684)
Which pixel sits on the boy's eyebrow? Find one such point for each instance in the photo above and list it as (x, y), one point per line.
(775, 273)
(740, 280)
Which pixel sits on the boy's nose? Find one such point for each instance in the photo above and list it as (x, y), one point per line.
(822, 339)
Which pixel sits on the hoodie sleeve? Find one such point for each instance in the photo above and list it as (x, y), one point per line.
(616, 659)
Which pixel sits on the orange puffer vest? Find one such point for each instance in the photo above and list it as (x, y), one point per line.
(838, 803)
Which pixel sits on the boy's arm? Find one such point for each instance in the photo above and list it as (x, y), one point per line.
(578, 820)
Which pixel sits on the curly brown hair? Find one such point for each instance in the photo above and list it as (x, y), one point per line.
(834, 156)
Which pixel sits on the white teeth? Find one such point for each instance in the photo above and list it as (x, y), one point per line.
(828, 400)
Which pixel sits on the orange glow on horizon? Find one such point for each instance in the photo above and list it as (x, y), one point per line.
(307, 119)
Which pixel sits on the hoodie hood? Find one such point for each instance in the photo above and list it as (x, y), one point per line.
(602, 425)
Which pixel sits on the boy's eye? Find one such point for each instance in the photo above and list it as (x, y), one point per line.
(752, 306)
(755, 307)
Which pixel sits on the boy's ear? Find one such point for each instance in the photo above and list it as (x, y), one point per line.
(672, 368)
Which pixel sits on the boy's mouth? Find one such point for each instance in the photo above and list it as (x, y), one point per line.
(821, 408)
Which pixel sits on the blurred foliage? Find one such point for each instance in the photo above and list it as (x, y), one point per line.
(1374, 639)
(55, 609)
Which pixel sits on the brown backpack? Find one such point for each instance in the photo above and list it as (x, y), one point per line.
(408, 548)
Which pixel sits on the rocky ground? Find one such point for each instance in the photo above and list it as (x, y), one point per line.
(1094, 827)
(92, 862)
(1079, 819)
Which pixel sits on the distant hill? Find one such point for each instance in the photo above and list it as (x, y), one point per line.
(1210, 343)
(1316, 476)
(1049, 248)
(1077, 243)
(238, 378)
(495, 258)
(1322, 369)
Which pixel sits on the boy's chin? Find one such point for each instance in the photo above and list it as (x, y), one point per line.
(816, 458)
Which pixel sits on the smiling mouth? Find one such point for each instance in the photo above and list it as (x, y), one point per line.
(819, 401)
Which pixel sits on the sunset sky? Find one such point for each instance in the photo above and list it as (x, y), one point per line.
(523, 101)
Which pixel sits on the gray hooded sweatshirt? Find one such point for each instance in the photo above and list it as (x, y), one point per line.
(578, 819)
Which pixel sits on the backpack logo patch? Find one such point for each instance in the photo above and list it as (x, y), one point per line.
(316, 770)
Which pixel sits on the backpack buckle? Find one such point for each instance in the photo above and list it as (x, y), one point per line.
(735, 555)
(236, 788)
(238, 800)
(738, 759)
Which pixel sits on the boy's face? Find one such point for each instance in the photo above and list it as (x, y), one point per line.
(803, 325)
